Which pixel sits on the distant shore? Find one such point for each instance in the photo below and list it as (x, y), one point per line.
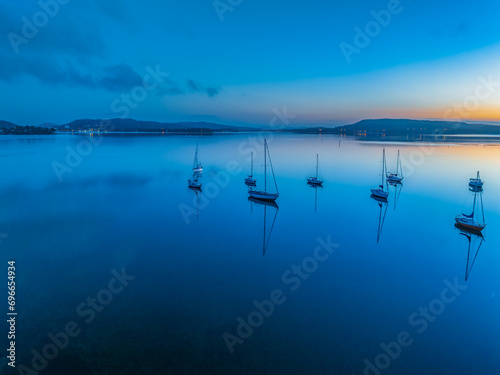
(400, 138)
(396, 130)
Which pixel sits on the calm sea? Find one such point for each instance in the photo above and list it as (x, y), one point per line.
(121, 269)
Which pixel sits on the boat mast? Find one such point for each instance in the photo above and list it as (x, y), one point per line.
(316, 166)
(482, 208)
(399, 166)
(272, 170)
(195, 162)
(474, 205)
(251, 168)
(265, 165)
(383, 168)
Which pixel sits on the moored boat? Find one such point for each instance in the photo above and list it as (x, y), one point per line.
(250, 181)
(197, 166)
(315, 180)
(264, 194)
(380, 192)
(398, 176)
(468, 221)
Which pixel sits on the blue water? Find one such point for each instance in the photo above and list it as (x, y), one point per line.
(195, 276)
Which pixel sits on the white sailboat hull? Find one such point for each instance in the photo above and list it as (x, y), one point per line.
(469, 223)
(264, 195)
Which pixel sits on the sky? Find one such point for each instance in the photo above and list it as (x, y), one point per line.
(239, 62)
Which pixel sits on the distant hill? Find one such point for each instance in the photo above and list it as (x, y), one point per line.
(398, 127)
(119, 124)
(7, 124)
(48, 125)
(374, 127)
(25, 130)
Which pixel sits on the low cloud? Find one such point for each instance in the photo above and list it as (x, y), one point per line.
(119, 78)
(197, 87)
(170, 87)
(68, 52)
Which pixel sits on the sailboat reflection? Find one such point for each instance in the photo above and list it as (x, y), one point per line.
(315, 187)
(472, 237)
(197, 191)
(266, 204)
(383, 204)
(398, 186)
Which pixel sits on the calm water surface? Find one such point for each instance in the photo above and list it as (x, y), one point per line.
(199, 264)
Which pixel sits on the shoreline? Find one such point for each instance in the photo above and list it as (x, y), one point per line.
(382, 138)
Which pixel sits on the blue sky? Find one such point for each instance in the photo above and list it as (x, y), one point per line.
(235, 61)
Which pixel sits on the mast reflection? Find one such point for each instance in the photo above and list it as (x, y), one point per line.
(197, 191)
(315, 187)
(398, 187)
(473, 237)
(383, 204)
(271, 205)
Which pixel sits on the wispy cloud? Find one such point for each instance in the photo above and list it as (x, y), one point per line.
(170, 87)
(453, 30)
(119, 78)
(197, 87)
(66, 52)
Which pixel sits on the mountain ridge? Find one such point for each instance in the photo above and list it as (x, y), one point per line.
(366, 126)
(407, 126)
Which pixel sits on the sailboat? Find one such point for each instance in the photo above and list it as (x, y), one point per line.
(264, 194)
(398, 176)
(380, 192)
(315, 180)
(470, 236)
(468, 221)
(476, 182)
(197, 167)
(250, 181)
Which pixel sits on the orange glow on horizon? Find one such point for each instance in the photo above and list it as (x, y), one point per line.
(447, 114)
